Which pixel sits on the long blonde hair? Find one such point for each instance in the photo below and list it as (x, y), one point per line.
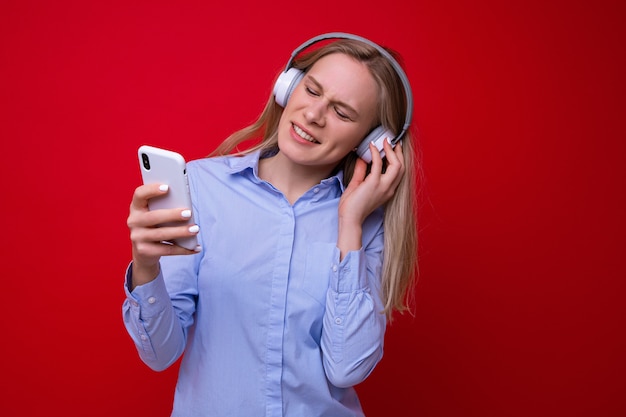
(400, 263)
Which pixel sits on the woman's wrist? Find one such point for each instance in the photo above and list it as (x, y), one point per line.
(143, 274)
(350, 233)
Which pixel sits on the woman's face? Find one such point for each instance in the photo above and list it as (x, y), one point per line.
(329, 113)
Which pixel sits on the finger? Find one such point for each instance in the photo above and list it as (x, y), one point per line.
(158, 249)
(159, 235)
(395, 157)
(399, 151)
(377, 160)
(152, 218)
(395, 166)
(145, 192)
(360, 169)
(392, 152)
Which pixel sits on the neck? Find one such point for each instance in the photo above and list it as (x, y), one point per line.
(291, 179)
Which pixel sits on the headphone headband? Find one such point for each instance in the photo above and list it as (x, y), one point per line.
(396, 66)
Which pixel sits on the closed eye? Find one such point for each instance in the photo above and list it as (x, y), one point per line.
(341, 114)
(312, 92)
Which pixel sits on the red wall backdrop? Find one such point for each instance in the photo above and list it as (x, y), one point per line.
(520, 111)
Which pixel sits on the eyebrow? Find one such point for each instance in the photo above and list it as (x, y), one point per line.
(346, 106)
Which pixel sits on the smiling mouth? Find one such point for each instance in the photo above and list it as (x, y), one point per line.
(303, 134)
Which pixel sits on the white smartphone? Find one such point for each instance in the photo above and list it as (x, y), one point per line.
(167, 167)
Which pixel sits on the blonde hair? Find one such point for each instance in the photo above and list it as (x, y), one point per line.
(400, 262)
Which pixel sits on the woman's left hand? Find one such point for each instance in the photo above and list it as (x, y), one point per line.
(364, 194)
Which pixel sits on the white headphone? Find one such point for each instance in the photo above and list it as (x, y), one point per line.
(290, 77)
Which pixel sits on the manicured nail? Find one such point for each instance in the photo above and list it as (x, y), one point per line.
(186, 214)
(194, 229)
(198, 248)
(164, 187)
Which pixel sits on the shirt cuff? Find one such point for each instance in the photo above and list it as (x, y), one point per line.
(150, 298)
(350, 274)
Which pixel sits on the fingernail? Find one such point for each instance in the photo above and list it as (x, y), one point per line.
(198, 248)
(186, 214)
(194, 229)
(163, 187)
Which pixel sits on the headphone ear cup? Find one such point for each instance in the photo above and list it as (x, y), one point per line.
(285, 84)
(377, 136)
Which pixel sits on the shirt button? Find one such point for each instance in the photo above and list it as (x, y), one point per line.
(134, 303)
(334, 268)
(151, 300)
(144, 337)
(316, 190)
(338, 320)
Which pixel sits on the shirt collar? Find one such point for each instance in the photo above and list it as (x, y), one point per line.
(250, 161)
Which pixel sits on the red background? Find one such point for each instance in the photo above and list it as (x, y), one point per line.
(520, 115)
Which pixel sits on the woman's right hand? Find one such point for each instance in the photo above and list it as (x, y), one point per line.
(149, 242)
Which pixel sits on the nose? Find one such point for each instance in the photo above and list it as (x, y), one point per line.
(315, 113)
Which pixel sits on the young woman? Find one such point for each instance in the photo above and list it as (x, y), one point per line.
(306, 249)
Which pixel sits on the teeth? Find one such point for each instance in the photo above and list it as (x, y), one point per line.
(303, 134)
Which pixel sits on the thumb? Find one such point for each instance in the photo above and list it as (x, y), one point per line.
(360, 169)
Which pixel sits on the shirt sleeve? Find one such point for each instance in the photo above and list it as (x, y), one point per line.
(157, 321)
(354, 322)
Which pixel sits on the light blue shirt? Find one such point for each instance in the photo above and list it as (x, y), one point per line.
(270, 321)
